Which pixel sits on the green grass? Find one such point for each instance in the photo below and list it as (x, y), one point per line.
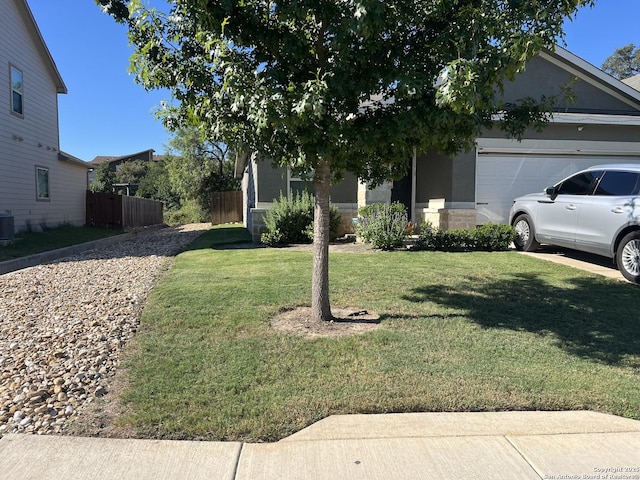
(29, 243)
(459, 332)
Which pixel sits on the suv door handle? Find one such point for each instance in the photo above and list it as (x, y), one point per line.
(618, 210)
(571, 206)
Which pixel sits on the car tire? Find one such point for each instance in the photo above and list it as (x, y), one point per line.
(525, 235)
(628, 257)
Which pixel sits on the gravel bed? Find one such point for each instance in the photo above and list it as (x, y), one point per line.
(63, 326)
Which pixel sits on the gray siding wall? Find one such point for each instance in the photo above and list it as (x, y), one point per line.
(32, 140)
(433, 177)
(345, 191)
(569, 131)
(545, 78)
(271, 181)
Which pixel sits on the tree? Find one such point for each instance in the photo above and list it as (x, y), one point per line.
(328, 86)
(155, 184)
(104, 179)
(624, 62)
(197, 167)
(130, 174)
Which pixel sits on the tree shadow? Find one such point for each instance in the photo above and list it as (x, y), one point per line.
(589, 317)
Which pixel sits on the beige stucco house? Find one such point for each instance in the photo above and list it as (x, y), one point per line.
(39, 184)
(602, 125)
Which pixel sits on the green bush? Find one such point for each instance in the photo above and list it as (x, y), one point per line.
(383, 225)
(290, 220)
(189, 212)
(492, 237)
(489, 237)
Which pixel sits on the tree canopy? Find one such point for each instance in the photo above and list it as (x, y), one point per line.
(197, 167)
(624, 62)
(342, 85)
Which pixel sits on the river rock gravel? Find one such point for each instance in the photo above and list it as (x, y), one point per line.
(63, 326)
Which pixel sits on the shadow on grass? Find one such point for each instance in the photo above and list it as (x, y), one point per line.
(590, 318)
(224, 238)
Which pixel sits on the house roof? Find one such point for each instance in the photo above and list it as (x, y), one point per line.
(633, 82)
(41, 46)
(67, 157)
(100, 159)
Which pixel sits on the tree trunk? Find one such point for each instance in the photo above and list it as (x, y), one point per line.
(320, 306)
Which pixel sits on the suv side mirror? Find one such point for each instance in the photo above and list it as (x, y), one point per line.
(551, 192)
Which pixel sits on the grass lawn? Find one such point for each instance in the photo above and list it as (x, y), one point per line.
(460, 332)
(28, 243)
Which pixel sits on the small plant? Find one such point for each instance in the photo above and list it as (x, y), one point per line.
(290, 220)
(272, 238)
(383, 225)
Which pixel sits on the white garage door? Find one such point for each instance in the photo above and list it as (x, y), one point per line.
(502, 177)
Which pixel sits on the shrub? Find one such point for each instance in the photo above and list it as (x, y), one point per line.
(490, 237)
(383, 225)
(493, 237)
(189, 212)
(290, 220)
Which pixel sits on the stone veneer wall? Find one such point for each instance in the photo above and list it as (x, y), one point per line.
(457, 218)
(450, 218)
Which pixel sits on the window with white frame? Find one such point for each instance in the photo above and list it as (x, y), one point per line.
(17, 91)
(42, 184)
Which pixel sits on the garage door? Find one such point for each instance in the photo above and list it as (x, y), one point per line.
(502, 177)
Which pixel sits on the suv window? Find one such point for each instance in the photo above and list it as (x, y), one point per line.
(619, 183)
(580, 184)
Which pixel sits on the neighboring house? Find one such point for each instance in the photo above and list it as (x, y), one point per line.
(477, 187)
(39, 185)
(115, 162)
(633, 82)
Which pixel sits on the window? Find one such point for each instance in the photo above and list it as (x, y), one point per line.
(42, 183)
(581, 184)
(619, 183)
(17, 91)
(298, 184)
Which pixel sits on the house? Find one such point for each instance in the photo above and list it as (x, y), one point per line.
(633, 82)
(39, 185)
(477, 187)
(116, 161)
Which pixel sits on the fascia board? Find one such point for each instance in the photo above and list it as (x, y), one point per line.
(41, 45)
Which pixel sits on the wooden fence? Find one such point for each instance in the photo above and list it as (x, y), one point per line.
(226, 207)
(122, 212)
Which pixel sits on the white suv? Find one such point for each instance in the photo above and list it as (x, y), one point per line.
(596, 210)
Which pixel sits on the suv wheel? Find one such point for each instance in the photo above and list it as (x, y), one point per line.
(628, 257)
(525, 237)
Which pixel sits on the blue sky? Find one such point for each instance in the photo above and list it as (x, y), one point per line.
(107, 113)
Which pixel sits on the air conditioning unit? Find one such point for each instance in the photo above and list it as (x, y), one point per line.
(6, 226)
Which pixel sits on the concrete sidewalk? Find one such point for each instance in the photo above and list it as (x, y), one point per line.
(581, 260)
(503, 445)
